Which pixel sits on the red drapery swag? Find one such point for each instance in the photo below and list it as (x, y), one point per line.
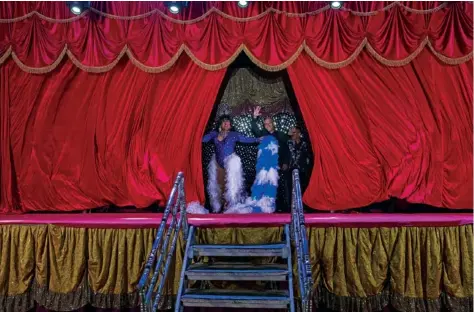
(37, 35)
(385, 89)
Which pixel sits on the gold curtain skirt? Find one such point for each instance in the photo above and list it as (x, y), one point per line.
(354, 269)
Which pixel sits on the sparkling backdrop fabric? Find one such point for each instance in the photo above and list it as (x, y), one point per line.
(247, 89)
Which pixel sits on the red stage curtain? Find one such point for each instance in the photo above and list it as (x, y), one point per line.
(72, 138)
(80, 140)
(37, 35)
(381, 131)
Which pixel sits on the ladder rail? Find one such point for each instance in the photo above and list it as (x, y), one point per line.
(169, 258)
(176, 201)
(295, 229)
(159, 234)
(290, 270)
(305, 280)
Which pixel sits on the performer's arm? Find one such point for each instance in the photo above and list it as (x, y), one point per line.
(244, 139)
(284, 150)
(255, 130)
(211, 135)
(308, 156)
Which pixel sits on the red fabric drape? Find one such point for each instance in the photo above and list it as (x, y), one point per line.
(72, 138)
(378, 131)
(273, 34)
(80, 140)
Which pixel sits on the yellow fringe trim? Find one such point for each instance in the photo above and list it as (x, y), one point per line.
(217, 11)
(5, 55)
(399, 4)
(396, 63)
(274, 68)
(44, 17)
(340, 64)
(97, 69)
(242, 48)
(155, 70)
(449, 60)
(39, 70)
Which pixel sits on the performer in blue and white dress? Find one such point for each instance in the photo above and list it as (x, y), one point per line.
(225, 185)
(264, 189)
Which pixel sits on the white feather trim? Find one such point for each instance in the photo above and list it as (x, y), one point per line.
(267, 177)
(213, 188)
(196, 208)
(234, 179)
(239, 209)
(267, 204)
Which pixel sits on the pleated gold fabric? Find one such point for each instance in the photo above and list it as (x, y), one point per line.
(355, 269)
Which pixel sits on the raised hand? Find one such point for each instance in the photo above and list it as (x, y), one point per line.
(256, 112)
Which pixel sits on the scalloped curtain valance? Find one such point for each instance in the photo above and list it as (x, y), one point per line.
(38, 35)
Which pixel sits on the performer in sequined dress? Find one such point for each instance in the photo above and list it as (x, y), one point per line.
(226, 177)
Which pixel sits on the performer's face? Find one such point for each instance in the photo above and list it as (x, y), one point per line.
(268, 124)
(295, 133)
(225, 126)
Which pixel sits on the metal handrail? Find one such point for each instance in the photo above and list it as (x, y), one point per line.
(176, 203)
(300, 239)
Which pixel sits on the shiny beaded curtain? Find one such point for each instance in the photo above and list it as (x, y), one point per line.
(245, 89)
(248, 88)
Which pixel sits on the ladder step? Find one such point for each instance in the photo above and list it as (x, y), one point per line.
(267, 250)
(235, 271)
(269, 299)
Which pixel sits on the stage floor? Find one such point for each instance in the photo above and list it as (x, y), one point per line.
(151, 220)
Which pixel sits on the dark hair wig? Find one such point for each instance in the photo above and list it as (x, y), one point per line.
(222, 119)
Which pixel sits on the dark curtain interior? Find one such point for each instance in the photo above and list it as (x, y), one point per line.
(283, 119)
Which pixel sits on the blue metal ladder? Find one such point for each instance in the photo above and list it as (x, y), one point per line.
(163, 251)
(232, 271)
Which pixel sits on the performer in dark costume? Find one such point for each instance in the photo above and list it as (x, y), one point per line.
(225, 171)
(300, 157)
(284, 198)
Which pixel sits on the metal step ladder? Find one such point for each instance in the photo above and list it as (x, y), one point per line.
(174, 223)
(236, 271)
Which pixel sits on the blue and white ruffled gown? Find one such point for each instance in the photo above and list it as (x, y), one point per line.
(265, 186)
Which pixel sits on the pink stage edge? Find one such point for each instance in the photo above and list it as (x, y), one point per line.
(151, 220)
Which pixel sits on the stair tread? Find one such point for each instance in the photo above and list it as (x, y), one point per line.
(260, 246)
(224, 294)
(238, 267)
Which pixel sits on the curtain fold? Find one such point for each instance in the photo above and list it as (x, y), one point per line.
(380, 132)
(354, 269)
(38, 36)
(80, 140)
